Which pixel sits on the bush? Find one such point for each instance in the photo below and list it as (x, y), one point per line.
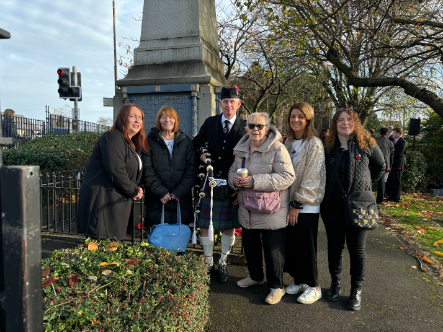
(54, 152)
(414, 175)
(142, 288)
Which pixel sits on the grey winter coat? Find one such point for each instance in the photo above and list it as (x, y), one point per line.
(271, 170)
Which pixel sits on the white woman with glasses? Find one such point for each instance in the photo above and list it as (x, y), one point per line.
(262, 172)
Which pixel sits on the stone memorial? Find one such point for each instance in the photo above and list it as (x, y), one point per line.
(176, 64)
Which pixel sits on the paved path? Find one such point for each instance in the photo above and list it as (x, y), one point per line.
(395, 297)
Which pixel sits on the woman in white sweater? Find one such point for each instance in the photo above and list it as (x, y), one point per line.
(306, 194)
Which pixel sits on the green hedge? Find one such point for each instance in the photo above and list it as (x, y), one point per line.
(147, 288)
(414, 175)
(54, 152)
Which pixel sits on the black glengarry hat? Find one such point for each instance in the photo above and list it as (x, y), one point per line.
(230, 93)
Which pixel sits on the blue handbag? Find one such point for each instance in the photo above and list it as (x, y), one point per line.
(174, 237)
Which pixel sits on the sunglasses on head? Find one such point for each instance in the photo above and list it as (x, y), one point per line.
(253, 125)
(345, 109)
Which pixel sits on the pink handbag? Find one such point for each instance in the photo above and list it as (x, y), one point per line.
(261, 201)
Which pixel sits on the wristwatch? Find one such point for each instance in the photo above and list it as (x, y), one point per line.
(296, 205)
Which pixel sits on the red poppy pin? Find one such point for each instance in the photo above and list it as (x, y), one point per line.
(294, 151)
(358, 157)
(237, 88)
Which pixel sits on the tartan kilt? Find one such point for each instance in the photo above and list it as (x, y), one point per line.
(224, 214)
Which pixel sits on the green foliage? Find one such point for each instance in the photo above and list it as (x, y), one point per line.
(414, 174)
(431, 143)
(373, 122)
(54, 152)
(147, 288)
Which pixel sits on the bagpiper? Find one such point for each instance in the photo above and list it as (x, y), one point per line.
(216, 140)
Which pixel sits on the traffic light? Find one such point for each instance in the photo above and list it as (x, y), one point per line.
(64, 82)
(79, 85)
(414, 126)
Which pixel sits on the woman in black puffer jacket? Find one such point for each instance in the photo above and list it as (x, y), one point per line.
(168, 170)
(355, 157)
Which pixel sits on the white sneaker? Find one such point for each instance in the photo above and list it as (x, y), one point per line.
(295, 289)
(310, 295)
(246, 282)
(275, 295)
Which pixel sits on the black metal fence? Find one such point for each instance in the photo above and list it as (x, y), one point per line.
(60, 194)
(22, 129)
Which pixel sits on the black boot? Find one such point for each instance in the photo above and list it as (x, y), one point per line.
(223, 273)
(354, 302)
(334, 291)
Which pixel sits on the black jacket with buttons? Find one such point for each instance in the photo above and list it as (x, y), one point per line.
(222, 159)
(163, 174)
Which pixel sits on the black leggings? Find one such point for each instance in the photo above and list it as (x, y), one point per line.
(338, 233)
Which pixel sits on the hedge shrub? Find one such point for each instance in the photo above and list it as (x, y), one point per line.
(143, 288)
(54, 152)
(414, 174)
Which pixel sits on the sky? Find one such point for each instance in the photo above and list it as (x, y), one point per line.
(47, 34)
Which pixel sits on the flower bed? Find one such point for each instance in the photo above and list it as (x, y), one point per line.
(113, 286)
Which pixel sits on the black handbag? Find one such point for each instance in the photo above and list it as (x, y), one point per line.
(360, 207)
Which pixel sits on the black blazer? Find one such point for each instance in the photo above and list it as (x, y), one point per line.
(365, 167)
(222, 159)
(111, 181)
(387, 149)
(163, 174)
(400, 149)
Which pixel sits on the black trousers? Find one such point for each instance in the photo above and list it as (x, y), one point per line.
(394, 184)
(381, 189)
(301, 250)
(338, 234)
(273, 244)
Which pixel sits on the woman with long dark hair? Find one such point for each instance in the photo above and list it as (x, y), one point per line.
(307, 191)
(112, 177)
(353, 161)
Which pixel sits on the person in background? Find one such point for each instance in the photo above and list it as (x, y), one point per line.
(9, 127)
(324, 135)
(353, 158)
(306, 193)
(387, 149)
(394, 180)
(389, 134)
(371, 132)
(269, 169)
(222, 133)
(112, 177)
(168, 170)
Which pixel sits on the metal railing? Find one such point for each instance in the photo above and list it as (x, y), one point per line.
(60, 193)
(22, 129)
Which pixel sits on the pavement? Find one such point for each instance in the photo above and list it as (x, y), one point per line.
(396, 297)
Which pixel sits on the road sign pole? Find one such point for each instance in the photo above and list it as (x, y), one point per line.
(74, 69)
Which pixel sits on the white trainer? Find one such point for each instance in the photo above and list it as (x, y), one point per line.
(310, 295)
(295, 289)
(246, 282)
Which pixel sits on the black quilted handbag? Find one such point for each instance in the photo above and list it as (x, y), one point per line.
(360, 207)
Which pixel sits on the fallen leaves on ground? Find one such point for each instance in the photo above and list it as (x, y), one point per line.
(45, 272)
(92, 246)
(112, 246)
(49, 281)
(73, 281)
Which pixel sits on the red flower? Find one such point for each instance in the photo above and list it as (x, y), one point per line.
(238, 231)
(358, 157)
(237, 88)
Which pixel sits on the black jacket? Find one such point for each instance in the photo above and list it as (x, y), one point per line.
(163, 174)
(387, 149)
(111, 181)
(222, 159)
(400, 149)
(364, 166)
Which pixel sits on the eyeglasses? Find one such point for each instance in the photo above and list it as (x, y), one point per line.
(253, 125)
(341, 109)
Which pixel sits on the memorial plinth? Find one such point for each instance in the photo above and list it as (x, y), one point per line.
(178, 46)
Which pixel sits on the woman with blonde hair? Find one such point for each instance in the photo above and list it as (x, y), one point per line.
(353, 159)
(306, 194)
(168, 170)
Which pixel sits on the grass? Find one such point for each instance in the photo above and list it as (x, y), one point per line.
(420, 216)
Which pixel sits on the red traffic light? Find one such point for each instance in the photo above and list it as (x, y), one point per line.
(62, 72)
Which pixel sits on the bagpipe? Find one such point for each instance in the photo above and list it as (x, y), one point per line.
(204, 178)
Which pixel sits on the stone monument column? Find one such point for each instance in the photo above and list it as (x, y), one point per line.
(178, 45)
